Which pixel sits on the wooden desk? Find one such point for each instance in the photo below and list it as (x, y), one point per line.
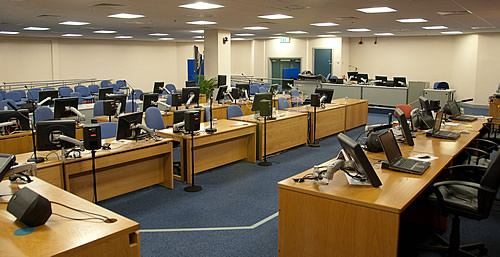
(63, 237)
(356, 112)
(233, 141)
(476, 125)
(288, 130)
(494, 107)
(330, 120)
(343, 220)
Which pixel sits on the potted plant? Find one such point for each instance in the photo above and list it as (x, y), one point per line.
(207, 87)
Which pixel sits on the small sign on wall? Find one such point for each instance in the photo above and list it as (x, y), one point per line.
(284, 40)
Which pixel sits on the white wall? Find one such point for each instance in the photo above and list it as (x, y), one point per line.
(297, 48)
(463, 63)
(242, 57)
(488, 66)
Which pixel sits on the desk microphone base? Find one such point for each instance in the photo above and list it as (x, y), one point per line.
(192, 188)
(316, 144)
(265, 163)
(211, 130)
(36, 160)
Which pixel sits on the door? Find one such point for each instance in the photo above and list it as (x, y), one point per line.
(278, 64)
(322, 61)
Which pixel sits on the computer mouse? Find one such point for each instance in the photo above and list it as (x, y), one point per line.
(106, 146)
(424, 156)
(465, 131)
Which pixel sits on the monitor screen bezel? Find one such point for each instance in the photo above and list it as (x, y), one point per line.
(259, 97)
(60, 107)
(185, 94)
(123, 130)
(405, 129)
(103, 92)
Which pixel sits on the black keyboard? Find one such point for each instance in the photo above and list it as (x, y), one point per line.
(446, 134)
(464, 118)
(405, 163)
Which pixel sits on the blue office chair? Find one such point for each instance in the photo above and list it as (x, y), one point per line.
(98, 108)
(21, 93)
(136, 94)
(253, 89)
(1, 97)
(43, 113)
(108, 129)
(94, 89)
(105, 83)
(334, 77)
(5, 106)
(171, 88)
(283, 103)
(14, 96)
(116, 89)
(122, 85)
(129, 108)
(328, 76)
(33, 94)
(65, 91)
(262, 90)
(441, 85)
(154, 119)
(49, 89)
(2, 92)
(85, 93)
(295, 97)
(76, 94)
(234, 111)
(76, 87)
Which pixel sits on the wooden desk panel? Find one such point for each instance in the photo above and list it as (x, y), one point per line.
(330, 120)
(438, 147)
(476, 125)
(62, 237)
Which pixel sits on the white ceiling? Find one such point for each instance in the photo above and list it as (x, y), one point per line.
(165, 16)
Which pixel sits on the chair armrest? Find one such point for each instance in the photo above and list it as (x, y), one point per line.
(464, 183)
(490, 144)
(480, 153)
(467, 166)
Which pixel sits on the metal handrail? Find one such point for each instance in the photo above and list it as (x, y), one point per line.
(8, 86)
(246, 79)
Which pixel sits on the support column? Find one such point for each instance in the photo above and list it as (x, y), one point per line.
(217, 53)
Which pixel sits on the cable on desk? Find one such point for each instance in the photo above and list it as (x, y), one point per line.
(355, 176)
(103, 218)
(6, 195)
(52, 152)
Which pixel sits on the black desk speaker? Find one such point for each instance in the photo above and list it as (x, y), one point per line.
(315, 100)
(192, 120)
(176, 99)
(92, 137)
(29, 207)
(109, 107)
(265, 108)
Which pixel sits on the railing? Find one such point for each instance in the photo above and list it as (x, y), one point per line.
(252, 79)
(8, 86)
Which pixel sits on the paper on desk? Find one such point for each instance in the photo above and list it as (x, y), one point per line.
(453, 124)
(416, 157)
(355, 182)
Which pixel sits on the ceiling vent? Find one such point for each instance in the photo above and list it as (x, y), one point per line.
(484, 27)
(266, 22)
(107, 5)
(48, 16)
(201, 16)
(450, 13)
(292, 7)
(348, 18)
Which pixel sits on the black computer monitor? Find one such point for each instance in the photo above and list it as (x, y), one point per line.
(325, 92)
(399, 81)
(243, 86)
(360, 161)
(352, 75)
(189, 92)
(287, 84)
(405, 129)
(60, 104)
(124, 128)
(148, 100)
(219, 96)
(6, 161)
(381, 78)
(118, 98)
(20, 117)
(47, 132)
(190, 83)
(52, 94)
(157, 88)
(425, 105)
(235, 93)
(453, 108)
(362, 78)
(221, 80)
(273, 89)
(105, 91)
(259, 97)
(178, 116)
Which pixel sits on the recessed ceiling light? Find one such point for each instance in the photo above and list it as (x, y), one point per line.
(166, 38)
(334, 32)
(412, 20)
(36, 28)
(158, 34)
(451, 32)
(123, 37)
(275, 16)
(359, 30)
(9, 32)
(376, 10)
(256, 28)
(324, 24)
(435, 27)
(244, 34)
(275, 37)
(326, 35)
(199, 40)
(197, 31)
(201, 6)
(297, 32)
(384, 34)
(74, 23)
(237, 38)
(126, 16)
(72, 35)
(199, 37)
(201, 22)
(105, 31)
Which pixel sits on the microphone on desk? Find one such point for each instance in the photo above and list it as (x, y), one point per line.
(14, 107)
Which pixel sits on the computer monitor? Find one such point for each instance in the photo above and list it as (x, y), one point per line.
(48, 132)
(273, 89)
(125, 127)
(190, 83)
(243, 86)
(360, 161)
(221, 80)
(119, 98)
(52, 94)
(325, 93)
(399, 81)
(362, 78)
(219, 96)
(259, 97)
(105, 91)
(352, 75)
(192, 93)
(453, 108)
(287, 84)
(405, 129)
(148, 100)
(60, 104)
(178, 116)
(157, 88)
(381, 78)
(425, 105)
(20, 117)
(6, 161)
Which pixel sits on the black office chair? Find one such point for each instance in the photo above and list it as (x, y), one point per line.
(466, 199)
(491, 130)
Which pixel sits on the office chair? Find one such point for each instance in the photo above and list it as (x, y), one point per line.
(5, 106)
(105, 83)
(33, 94)
(49, 89)
(283, 103)
(122, 85)
(129, 108)
(406, 108)
(76, 94)
(295, 98)
(15, 97)
(43, 113)
(116, 89)
(2, 92)
(154, 119)
(253, 89)
(76, 87)
(85, 93)
(98, 108)
(108, 129)
(136, 94)
(262, 90)
(94, 89)
(466, 199)
(21, 94)
(234, 111)
(65, 91)
(1, 97)
(441, 85)
(171, 88)
(491, 130)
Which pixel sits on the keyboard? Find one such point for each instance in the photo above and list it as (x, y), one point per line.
(409, 166)
(464, 118)
(446, 134)
(405, 163)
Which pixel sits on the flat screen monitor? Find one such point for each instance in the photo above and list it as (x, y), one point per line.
(242, 87)
(381, 78)
(287, 84)
(178, 116)
(327, 93)
(453, 108)
(362, 78)
(6, 161)
(118, 98)
(352, 75)
(53, 94)
(235, 93)
(124, 128)
(360, 161)
(405, 129)
(189, 92)
(190, 83)
(60, 104)
(221, 80)
(20, 117)
(259, 97)
(219, 96)
(157, 88)
(399, 81)
(148, 100)
(273, 89)
(105, 91)
(425, 104)
(48, 132)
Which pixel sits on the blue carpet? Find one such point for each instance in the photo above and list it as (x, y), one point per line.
(239, 194)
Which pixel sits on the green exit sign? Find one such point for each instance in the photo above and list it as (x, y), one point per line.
(284, 40)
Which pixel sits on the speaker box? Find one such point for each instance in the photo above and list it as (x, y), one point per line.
(235, 93)
(176, 99)
(192, 120)
(29, 207)
(109, 107)
(265, 108)
(92, 137)
(315, 100)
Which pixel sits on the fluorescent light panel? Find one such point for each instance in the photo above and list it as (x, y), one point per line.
(384, 34)
(158, 34)
(237, 38)
(359, 30)
(201, 22)
(435, 27)
(9, 32)
(256, 28)
(105, 31)
(275, 16)
(126, 16)
(123, 37)
(451, 32)
(244, 34)
(198, 37)
(412, 20)
(326, 35)
(72, 35)
(197, 31)
(74, 23)
(324, 24)
(201, 6)
(376, 10)
(297, 32)
(166, 38)
(36, 28)
(199, 40)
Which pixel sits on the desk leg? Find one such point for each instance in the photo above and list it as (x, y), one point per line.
(168, 170)
(186, 163)
(251, 148)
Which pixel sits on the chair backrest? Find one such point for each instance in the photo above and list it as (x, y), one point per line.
(76, 94)
(4, 105)
(94, 88)
(2, 92)
(234, 111)
(104, 83)
(13, 96)
(294, 93)
(65, 91)
(48, 89)
(121, 83)
(283, 103)
(169, 100)
(108, 129)
(406, 108)
(129, 108)
(171, 88)
(20, 92)
(254, 89)
(33, 94)
(262, 90)
(77, 87)
(84, 91)
(441, 85)
(136, 94)
(115, 87)
(490, 179)
(43, 113)
(154, 119)
(98, 108)
(1, 97)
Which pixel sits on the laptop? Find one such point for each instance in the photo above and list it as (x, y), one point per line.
(395, 160)
(438, 133)
(456, 114)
